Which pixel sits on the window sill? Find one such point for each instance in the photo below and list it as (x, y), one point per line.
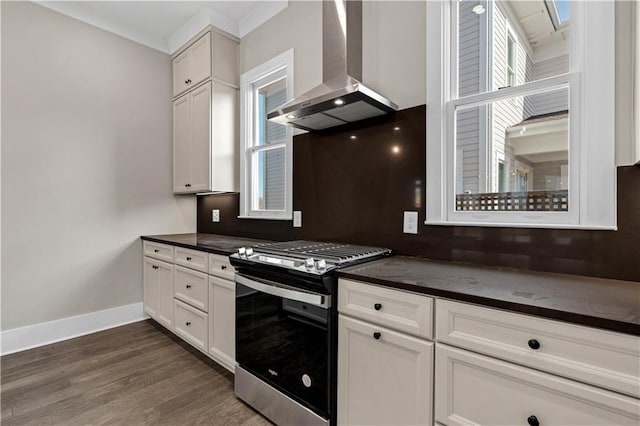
(524, 225)
(268, 217)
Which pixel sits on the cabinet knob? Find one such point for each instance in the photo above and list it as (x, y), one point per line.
(533, 421)
(377, 335)
(189, 81)
(188, 323)
(377, 306)
(154, 266)
(223, 267)
(188, 185)
(188, 285)
(186, 82)
(156, 251)
(535, 345)
(188, 259)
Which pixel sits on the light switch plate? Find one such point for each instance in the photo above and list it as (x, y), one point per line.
(297, 219)
(215, 215)
(410, 224)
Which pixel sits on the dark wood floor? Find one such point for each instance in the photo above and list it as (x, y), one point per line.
(131, 375)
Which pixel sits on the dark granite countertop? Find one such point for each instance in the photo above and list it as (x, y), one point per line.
(212, 243)
(608, 304)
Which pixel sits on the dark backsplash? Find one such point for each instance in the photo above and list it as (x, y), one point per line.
(356, 190)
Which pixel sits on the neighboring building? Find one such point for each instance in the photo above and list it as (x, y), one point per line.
(517, 144)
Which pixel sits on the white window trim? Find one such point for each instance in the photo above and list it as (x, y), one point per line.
(592, 180)
(283, 65)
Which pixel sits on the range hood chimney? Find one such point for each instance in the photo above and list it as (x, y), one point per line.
(341, 98)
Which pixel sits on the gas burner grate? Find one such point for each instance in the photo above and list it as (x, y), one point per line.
(335, 252)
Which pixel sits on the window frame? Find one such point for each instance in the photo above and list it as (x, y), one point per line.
(280, 67)
(591, 83)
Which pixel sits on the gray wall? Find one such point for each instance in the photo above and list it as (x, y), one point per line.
(86, 165)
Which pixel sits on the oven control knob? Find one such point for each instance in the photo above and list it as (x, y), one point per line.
(249, 251)
(309, 263)
(321, 265)
(242, 252)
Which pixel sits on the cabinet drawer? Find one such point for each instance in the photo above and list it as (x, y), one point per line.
(191, 287)
(192, 259)
(402, 311)
(220, 266)
(603, 358)
(474, 389)
(158, 251)
(191, 324)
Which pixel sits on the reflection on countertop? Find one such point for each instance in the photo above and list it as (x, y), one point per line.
(212, 243)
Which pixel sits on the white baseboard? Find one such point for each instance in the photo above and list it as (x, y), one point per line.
(20, 339)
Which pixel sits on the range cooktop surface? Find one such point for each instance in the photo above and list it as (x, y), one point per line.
(309, 256)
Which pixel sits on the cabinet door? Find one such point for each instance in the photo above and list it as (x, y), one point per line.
(182, 65)
(475, 389)
(384, 377)
(150, 297)
(201, 60)
(200, 152)
(165, 294)
(222, 325)
(158, 291)
(181, 142)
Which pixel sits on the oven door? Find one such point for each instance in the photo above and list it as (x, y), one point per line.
(282, 337)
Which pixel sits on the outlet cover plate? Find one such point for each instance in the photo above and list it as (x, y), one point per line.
(297, 219)
(215, 215)
(410, 224)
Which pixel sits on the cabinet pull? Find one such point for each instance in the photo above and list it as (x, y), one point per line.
(188, 286)
(188, 185)
(154, 266)
(377, 306)
(188, 323)
(377, 335)
(223, 267)
(156, 251)
(533, 421)
(535, 345)
(188, 259)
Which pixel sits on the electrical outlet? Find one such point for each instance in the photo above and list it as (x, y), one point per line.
(297, 219)
(215, 215)
(410, 224)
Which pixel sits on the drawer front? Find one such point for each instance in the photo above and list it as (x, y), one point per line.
(192, 259)
(220, 266)
(158, 251)
(402, 311)
(475, 389)
(603, 358)
(191, 324)
(191, 287)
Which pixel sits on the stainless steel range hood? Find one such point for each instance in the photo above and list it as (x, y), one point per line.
(341, 98)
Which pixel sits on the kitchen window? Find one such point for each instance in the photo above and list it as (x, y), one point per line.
(520, 119)
(266, 161)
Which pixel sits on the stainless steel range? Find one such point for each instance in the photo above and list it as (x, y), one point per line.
(286, 327)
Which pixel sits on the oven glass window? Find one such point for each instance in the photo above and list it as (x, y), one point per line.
(286, 344)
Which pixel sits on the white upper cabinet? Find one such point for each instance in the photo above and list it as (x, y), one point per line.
(205, 118)
(193, 65)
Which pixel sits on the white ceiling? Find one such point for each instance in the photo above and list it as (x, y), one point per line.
(167, 25)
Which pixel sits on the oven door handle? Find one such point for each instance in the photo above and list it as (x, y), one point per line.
(278, 290)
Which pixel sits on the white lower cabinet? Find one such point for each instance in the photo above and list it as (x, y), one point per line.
(222, 324)
(158, 291)
(198, 307)
(479, 390)
(384, 377)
